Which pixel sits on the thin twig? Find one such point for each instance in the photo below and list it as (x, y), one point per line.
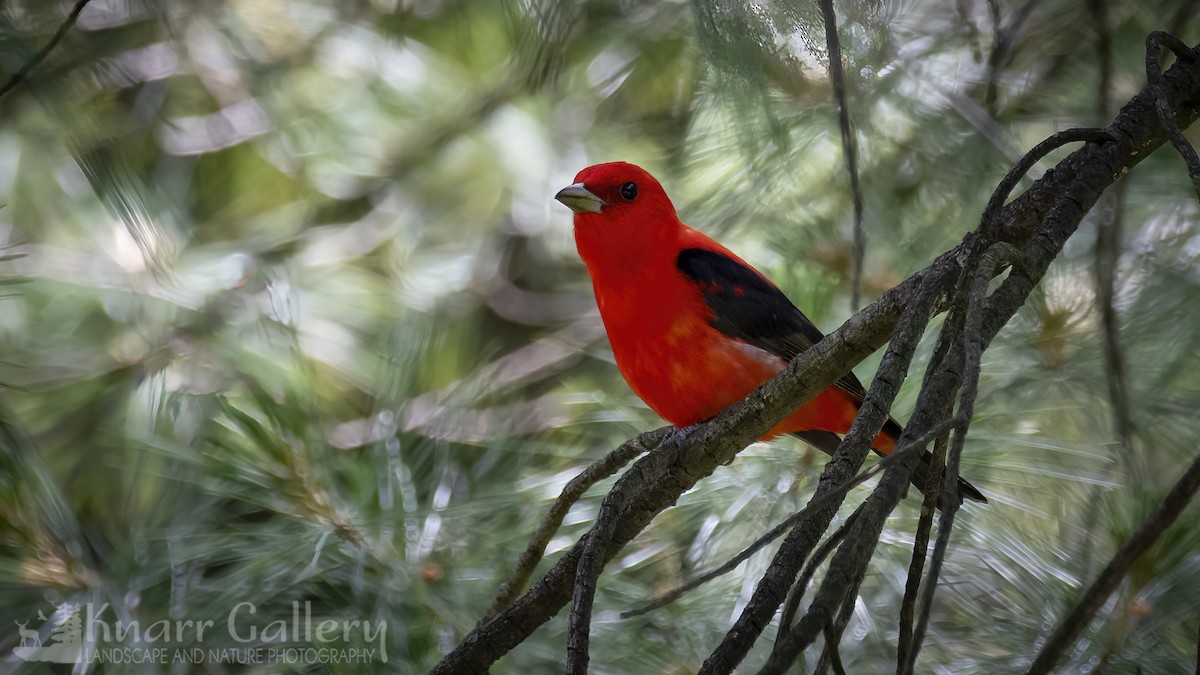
(837, 76)
(1107, 257)
(849, 564)
(1095, 596)
(596, 472)
(1108, 254)
(1154, 44)
(1004, 37)
(920, 548)
(830, 654)
(597, 549)
(993, 71)
(818, 557)
(847, 569)
(831, 648)
(32, 63)
(599, 545)
(936, 398)
(1061, 220)
(929, 587)
(1099, 9)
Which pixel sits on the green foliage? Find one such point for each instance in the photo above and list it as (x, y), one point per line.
(289, 315)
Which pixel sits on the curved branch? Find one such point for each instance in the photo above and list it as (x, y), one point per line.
(848, 567)
(991, 213)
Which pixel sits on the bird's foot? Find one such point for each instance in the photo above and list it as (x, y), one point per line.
(678, 434)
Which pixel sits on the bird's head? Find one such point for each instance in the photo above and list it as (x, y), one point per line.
(620, 209)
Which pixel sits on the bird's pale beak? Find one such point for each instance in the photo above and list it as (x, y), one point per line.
(579, 199)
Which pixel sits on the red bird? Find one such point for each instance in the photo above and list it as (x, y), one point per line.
(693, 327)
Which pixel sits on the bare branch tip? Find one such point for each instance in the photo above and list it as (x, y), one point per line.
(1155, 42)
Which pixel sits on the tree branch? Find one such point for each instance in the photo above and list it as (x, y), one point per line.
(1004, 37)
(42, 53)
(1108, 255)
(1107, 259)
(834, 658)
(1073, 624)
(830, 653)
(849, 563)
(992, 213)
(657, 479)
(1099, 10)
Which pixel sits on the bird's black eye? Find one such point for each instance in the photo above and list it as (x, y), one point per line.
(629, 191)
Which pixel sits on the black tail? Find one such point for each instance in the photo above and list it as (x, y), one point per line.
(965, 490)
(827, 442)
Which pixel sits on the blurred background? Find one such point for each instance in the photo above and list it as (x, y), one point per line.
(289, 313)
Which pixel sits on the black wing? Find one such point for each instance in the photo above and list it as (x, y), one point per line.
(751, 309)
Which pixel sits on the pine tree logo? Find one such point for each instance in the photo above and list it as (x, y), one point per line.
(61, 645)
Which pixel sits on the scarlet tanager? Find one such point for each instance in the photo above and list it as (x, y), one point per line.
(693, 327)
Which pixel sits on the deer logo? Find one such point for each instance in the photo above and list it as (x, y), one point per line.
(63, 641)
(29, 637)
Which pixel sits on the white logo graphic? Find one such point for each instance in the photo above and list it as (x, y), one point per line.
(62, 645)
